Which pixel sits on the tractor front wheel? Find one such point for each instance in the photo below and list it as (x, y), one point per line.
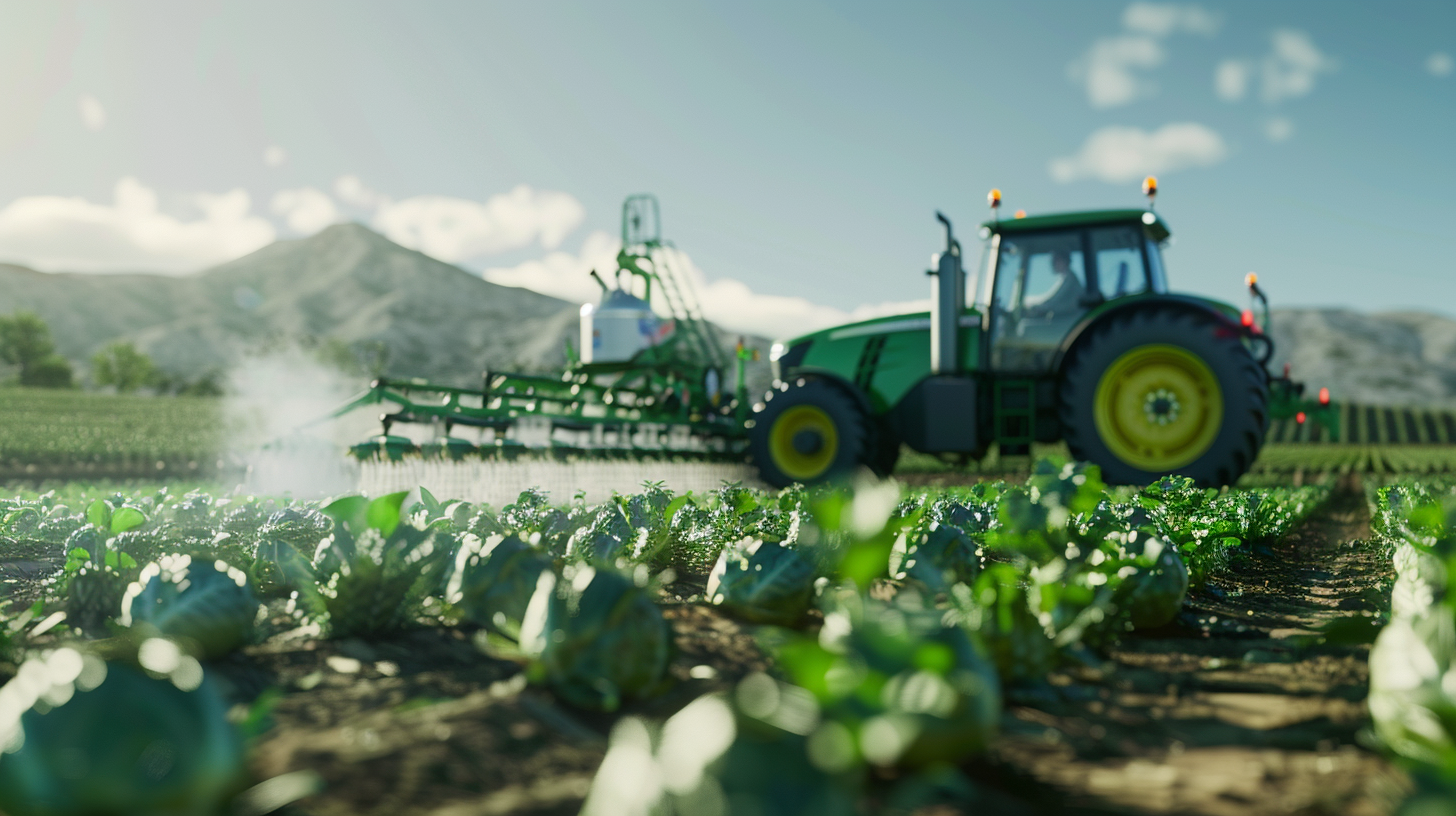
(809, 433)
(1160, 391)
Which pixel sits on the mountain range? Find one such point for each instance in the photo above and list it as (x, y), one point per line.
(350, 285)
(346, 284)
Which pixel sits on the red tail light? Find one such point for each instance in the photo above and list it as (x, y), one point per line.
(1324, 396)
(1248, 317)
(1286, 370)
(1299, 417)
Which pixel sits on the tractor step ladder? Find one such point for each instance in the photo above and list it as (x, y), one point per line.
(1014, 402)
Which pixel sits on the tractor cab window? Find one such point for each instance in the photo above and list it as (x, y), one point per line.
(1119, 254)
(1155, 267)
(1040, 292)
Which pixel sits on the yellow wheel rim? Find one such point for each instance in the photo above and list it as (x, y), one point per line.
(797, 464)
(1158, 407)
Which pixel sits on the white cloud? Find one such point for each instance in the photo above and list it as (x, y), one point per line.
(727, 302)
(1231, 79)
(1121, 154)
(93, 115)
(275, 156)
(352, 191)
(307, 210)
(1278, 129)
(562, 274)
(1110, 67)
(1440, 64)
(1160, 19)
(131, 233)
(457, 229)
(1292, 66)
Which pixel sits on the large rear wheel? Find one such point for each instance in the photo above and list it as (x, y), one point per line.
(1160, 391)
(809, 433)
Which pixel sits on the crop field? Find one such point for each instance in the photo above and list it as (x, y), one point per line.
(1046, 646)
(48, 434)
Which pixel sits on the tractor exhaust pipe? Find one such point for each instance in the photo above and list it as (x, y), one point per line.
(947, 301)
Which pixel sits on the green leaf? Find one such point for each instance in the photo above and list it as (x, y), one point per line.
(351, 511)
(383, 512)
(126, 518)
(429, 501)
(99, 514)
(674, 506)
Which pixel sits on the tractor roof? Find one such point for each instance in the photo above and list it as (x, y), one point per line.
(1157, 227)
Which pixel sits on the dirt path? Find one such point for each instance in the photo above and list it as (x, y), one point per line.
(1234, 710)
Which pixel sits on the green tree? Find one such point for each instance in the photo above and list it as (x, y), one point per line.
(50, 371)
(121, 365)
(25, 341)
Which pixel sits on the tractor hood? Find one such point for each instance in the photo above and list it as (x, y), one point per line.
(913, 321)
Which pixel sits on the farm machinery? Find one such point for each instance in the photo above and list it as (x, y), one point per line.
(1066, 331)
(638, 386)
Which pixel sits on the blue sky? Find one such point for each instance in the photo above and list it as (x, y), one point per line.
(799, 150)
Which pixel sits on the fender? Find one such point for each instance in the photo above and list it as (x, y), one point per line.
(1187, 303)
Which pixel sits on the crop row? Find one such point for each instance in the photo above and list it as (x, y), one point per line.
(1355, 458)
(976, 590)
(1413, 660)
(43, 428)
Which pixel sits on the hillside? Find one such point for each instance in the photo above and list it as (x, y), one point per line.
(1396, 358)
(346, 283)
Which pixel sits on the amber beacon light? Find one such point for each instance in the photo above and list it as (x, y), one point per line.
(1150, 188)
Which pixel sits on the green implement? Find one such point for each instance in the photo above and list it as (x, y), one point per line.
(639, 386)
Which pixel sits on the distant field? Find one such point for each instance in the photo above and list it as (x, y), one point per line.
(47, 434)
(72, 434)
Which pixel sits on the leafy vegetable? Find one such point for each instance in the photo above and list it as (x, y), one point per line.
(86, 736)
(763, 582)
(596, 637)
(208, 606)
(494, 580)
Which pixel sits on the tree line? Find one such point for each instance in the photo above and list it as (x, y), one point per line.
(25, 342)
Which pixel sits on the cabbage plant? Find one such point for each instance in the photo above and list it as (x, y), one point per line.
(208, 606)
(912, 689)
(494, 580)
(595, 637)
(938, 555)
(374, 572)
(763, 582)
(85, 737)
(1411, 701)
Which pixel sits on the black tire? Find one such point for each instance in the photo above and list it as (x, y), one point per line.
(851, 446)
(1241, 380)
(886, 450)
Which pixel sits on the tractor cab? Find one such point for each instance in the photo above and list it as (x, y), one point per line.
(1048, 273)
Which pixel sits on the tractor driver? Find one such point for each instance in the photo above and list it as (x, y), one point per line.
(1064, 297)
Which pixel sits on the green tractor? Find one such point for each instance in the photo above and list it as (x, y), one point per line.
(1071, 335)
